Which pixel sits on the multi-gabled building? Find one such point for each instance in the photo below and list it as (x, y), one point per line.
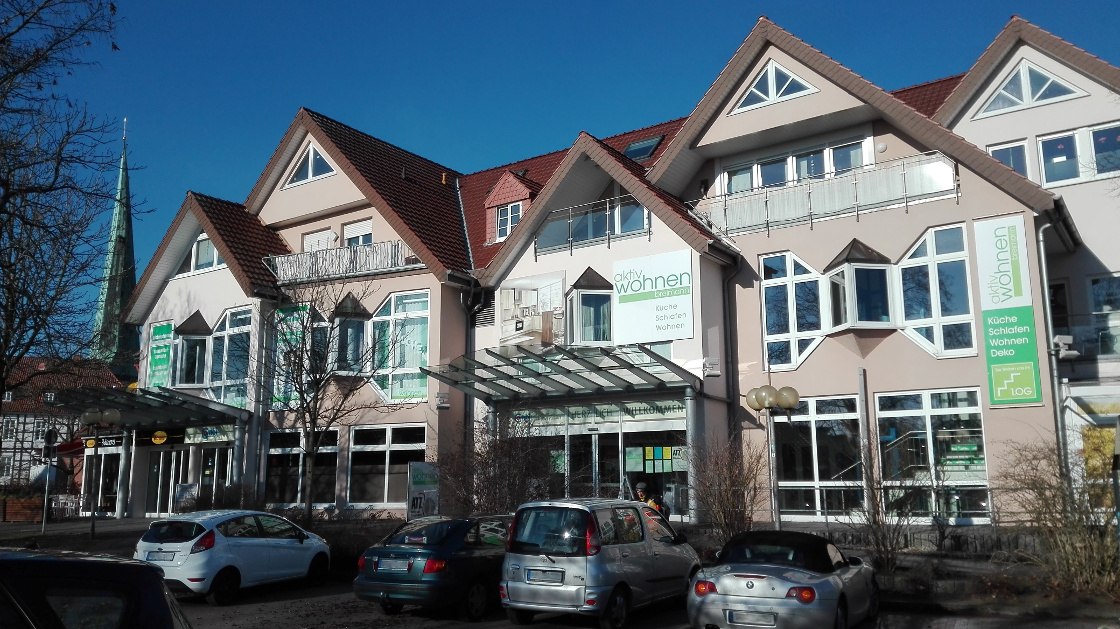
(616, 303)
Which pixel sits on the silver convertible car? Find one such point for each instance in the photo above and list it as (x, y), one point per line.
(783, 580)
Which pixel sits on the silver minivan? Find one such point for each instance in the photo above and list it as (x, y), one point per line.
(592, 556)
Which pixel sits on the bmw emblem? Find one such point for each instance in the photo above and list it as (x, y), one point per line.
(750, 585)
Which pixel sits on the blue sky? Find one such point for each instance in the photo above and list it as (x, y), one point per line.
(210, 87)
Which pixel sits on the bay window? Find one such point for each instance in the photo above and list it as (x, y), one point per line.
(861, 295)
(190, 360)
(590, 320)
(792, 320)
(350, 356)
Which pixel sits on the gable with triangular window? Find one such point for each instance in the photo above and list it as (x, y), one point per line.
(312, 165)
(773, 84)
(1028, 86)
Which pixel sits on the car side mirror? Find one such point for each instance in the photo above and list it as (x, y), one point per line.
(302, 537)
(855, 561)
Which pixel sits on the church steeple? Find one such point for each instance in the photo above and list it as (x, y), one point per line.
(114, 341)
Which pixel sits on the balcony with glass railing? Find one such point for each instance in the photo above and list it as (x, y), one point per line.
(894, 183)
(343, 262)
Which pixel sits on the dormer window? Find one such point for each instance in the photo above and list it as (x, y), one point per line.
(773, 85)
(508, 217)
(312, 166)
(203, 255)
(1028, 86)
(48, 397)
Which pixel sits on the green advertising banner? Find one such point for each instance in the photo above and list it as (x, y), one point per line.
(159, 355)
(1007, 311)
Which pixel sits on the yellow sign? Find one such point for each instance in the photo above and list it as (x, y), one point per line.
(90, 443)
(159, 437)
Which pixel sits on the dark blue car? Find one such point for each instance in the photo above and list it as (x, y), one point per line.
(435, 562)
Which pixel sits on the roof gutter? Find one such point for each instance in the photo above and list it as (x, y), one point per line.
(1064, 227)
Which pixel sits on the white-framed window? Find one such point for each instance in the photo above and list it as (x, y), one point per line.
(350, 345)
(1027, 86)
(1013, 155)
(190, 360)
(38, 429)
(7, 463)
(314, 241)
(203, 256)
(589, 320)
(312, 165)
(936, 295)
(619, 216)
(1080, 154)
(773, 84)
(49, 397)
(229, 357)
(286, 457)
(358, 233)
(820, 162)
(861, 296)
(8, 433)
(792, 320)
(508, 217)
(296, 356)
(818, 454)
(379, 458)
(400, 346)
(932, 451)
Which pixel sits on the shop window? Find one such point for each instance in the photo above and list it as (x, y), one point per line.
(287, 454)
(379, 458)
(818, 462)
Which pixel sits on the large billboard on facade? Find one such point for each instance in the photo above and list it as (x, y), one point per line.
(652, 299)
(1007, 311)
(159, 355)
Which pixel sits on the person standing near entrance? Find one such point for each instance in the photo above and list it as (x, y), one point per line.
(643, 496)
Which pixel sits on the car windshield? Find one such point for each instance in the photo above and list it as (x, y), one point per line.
(420, 533)
(172, 531)
(550, 531)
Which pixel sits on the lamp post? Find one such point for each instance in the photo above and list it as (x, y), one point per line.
(768, 398)
(94, 418)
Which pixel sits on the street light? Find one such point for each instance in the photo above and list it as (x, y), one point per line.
(94, 418)
(768, 398)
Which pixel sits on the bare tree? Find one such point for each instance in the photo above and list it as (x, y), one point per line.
(323, 373)
(730, 483)
(505, 467)
(54, 187)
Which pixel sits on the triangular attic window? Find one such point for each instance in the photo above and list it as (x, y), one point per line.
(774, 84)
(311, 166)
(1026, 87)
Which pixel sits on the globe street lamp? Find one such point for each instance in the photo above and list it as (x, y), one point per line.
(94, 418)
(768, 398)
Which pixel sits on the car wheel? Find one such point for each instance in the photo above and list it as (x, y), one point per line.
(841, 616)
(519, 616)
(317, 573)
(616, 611)
(391, 609)
(474, 604)
(223, 590)
(873, 603)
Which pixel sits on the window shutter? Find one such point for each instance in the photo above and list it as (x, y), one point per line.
(317, 240)
(360, 228)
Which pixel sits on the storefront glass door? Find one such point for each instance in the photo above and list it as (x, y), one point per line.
(166, 469)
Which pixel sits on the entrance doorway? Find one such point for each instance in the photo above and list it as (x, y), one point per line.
(215, 474)
(166, 469)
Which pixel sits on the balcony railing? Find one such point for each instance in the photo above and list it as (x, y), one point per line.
(342, 262)
(897, 182)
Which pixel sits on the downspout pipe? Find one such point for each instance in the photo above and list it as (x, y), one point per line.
(731, 355)
(1052, 352)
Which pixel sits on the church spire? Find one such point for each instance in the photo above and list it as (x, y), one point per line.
(117, 342)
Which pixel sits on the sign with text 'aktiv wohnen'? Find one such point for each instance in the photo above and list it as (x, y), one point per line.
(1007, 311)
(652, 299)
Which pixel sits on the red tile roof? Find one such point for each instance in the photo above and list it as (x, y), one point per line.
(27, 398)
(537, 170)
(242, 239)
(927, 97)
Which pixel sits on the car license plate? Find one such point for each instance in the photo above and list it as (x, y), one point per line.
(393, 565)
(161, 556)
(544, 576)
(750, 618)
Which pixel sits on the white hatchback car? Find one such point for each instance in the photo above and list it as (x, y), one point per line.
(215, 553)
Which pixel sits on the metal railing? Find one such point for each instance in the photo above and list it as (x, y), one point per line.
(340, 262)
(897, 182)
